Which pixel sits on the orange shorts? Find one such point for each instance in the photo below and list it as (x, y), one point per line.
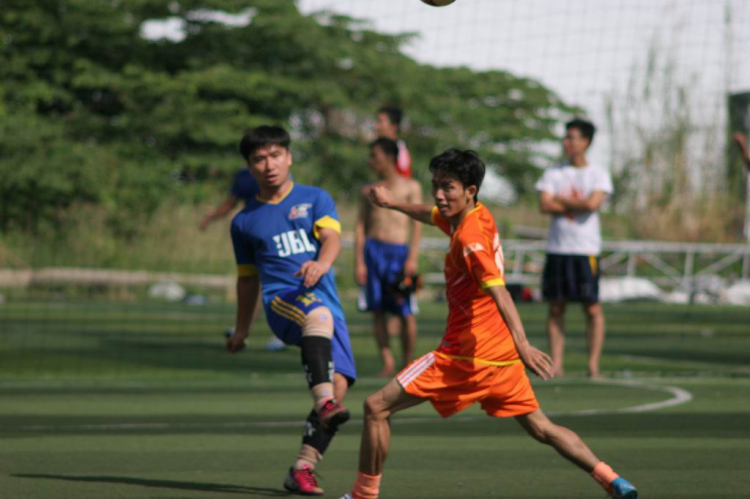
(453, 385)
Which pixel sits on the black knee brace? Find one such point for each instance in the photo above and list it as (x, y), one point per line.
(315, 436)
(316, 360)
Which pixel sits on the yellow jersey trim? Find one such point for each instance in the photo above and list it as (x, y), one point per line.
(289, 307)
(593, 264)
(287, 315)
(493, 282)
(434, 214)
(496, 363)
(246, 270)
(326, 222)
(476, 207)
(281, 308)
(283, 197)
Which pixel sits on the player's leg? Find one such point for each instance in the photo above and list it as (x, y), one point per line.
(380, 328)
(556, 335)
(587, 272)
(328, 412)
(406, 308)
(317, 361)
(394, 326)
(595, 335)
(556, 286)
(376, 289)
(315, 442)
(376, 436)
(569, 445)
(408, 337)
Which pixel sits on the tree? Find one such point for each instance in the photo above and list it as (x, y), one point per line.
(93, 112)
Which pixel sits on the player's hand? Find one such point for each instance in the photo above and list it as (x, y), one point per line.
(411, 267)
(381, 197)
(740, 140)
(312, 271)
(236, 342)
(539, 362)
(361, 275)
(205, 222)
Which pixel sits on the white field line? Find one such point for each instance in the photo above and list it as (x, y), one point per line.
(678, 396)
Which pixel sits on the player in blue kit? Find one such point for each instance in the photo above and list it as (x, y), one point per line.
(287, 239)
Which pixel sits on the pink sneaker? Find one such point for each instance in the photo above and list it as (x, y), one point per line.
(332, 415)
(302, 482)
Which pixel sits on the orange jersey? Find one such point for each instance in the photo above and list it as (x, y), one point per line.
(475, 330)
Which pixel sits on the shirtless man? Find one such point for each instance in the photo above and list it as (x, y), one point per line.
(385, 252)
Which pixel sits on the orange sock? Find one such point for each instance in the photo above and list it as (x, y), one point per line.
(603, 474)
(366, 486)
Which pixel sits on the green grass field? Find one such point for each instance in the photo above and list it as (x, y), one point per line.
(135, 400)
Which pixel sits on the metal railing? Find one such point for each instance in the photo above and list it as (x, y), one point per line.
(687, 266)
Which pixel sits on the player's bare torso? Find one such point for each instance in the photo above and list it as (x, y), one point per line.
(390, 226)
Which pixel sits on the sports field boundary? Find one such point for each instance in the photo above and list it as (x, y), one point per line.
(678, 396)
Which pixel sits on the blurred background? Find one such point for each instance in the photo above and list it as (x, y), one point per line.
(119, 124)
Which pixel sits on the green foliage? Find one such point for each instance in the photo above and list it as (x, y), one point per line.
(93, 112)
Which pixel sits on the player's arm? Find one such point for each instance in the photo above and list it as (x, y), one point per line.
(548, 204)
(220, 211)
(248, 292)
(539, 362)
(360, 232)
(411, 266)
(591, 203)
(741, 142)
(330, 247)
(382, 197)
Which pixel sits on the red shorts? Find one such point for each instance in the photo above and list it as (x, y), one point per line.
(453, 385)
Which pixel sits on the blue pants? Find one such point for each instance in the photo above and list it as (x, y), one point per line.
(384, 263)
(286, 314)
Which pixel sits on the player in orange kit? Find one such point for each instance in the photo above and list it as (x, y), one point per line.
(484, 350)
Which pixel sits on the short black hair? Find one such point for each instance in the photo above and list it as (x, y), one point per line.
(395, 115)
(586, 128)
(388, 146)
(262, 136)
(464, 166)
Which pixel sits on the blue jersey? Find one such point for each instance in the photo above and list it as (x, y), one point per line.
(274, 239)
(244, 186)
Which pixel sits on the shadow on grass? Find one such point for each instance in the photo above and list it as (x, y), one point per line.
(163, 484)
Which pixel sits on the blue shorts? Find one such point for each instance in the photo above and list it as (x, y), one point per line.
(384, 261)
(571, 278)
(285, 315)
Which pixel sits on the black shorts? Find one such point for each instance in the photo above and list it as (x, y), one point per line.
(571, 278)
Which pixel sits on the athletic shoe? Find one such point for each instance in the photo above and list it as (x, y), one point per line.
(346, 496)
(275, 345)
(622, 489)
(302, 482)
(332, 415)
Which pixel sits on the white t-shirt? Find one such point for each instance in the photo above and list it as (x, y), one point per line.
(581, 234)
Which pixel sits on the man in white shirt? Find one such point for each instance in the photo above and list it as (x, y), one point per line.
(572, 193)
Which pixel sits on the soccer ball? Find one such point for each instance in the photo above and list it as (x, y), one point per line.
(438, 3)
